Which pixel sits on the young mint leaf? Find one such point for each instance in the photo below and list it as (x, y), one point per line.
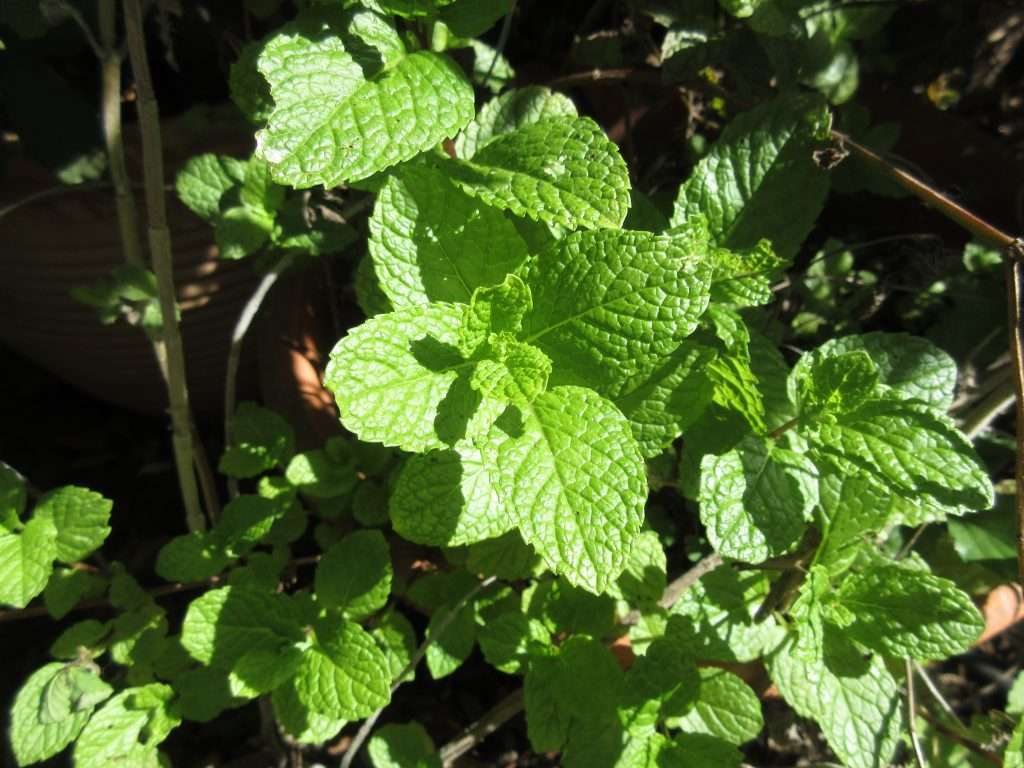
(241, 231)
(403, 746)
(224, 624)
(258, 192)
(452, 646)
(32, 738)
(507, 556)
(861, 715)
(508, 641)
(755, 499)
(80, 517)
(247, 520)
(661, 403)
(744, 185)
(737, 388)
(609, 303)
(432, 242)
(73, 689)
(67, 587)
(26, 561)
(838, 383)
(88, 635)
(852, 510)
(744, 278)
(496, 309)
(699, 750)
(726, 707)
(644, 578)
(128, 728)
(909, 447)
(395, 636)
(547, 721)
(509, 111)
(661, 682)
(260, 441)
(317, 474)
(716, 617)
(335, 119)
(573, 478)
(560, 169)
(204, 180)
(448, 498)
(410, 357)
(194, 556)
(261, 671)
(300, 722)
(354, 575)
(516, 373)
(911, 365)
(901, 612)
(344, 674)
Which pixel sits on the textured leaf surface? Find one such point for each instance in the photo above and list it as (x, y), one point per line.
(204, 179)
(127, 730)
(448, 498)
(860, 715)
(744, 185)
(726, 707)
(332, 124)
(660, 404)
(853, 509)
(224, 624)
(260, 440)
(320, 475)
(573, 476)
(80, 517)
(509, 111)
(547, 721)
(355, 574)
(609, 304)
(451, 645)
(754, 500)
(432, 242)
(26, 561)
(395, 636)
(902, 612)
(191, 557)
(508, 642)
(32, 738)
(67, 587)
(839, 383)
(344, 675)
(517, 373)
(561, 169)
(909, 364)
(497, 309)
(909, 447)
(408, 357)
(403, 746)
(305, 726)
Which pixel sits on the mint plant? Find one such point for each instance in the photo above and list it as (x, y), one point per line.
(542, 349)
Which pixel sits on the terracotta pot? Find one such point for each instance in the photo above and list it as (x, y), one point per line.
(53, 244)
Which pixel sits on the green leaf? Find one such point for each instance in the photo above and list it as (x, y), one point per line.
(128, 728)
(241, 231)
(339, 115)
(318, 474)
(560, 169)
(470, 18)
(395, 636)
(699, 750)
(853, 509)
(12, 499)
(432, 242)
(497, 309)
(911, 365)
(744, 185)
(261, 671)
(508, 641)
(741, 9)
(860, 715)
(491, 69)
(450, 645)
(726, 707)
(260, 441)
(354, 575)
(662, 403)
(592, 683)
(74, 689)
(644, 579)
(224, 624)
(248, 519)
(574, 480)
(247, 87)
(258, 191)
(509, 111)
(507, 556)
(987, 535)
(67, 587)
(88, 635)
(448, 498)
(26, 561)
(744, 278)
(302, 724)
(344, 674)
(80, 517)
(909, 447)
(194, 556)
(516, 374)
(737, 388)
(902, 612)
(572, 610)
(403, 746)
(547, 721)
(608, 304)
(204, 180)
(32, 738)
(410, 357)
(756, 499)
(838, 384)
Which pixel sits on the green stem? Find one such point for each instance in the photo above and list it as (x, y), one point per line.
(160, 252)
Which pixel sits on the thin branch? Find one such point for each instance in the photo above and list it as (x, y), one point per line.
(506, 27)
(937, 694)
(915, 741)
(782, 429)
(969, 744)
(598, 76)
(494, 718)
(1014, 292)
(160, 252)
(73, 13)
(981, 416)
(442, 625)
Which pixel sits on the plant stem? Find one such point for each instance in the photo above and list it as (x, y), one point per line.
(367, 726)
(915, 741)
(110, 68)
(1014, 291)
(979, 418)
(782, 429)
(160, 252)
(245, 319)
